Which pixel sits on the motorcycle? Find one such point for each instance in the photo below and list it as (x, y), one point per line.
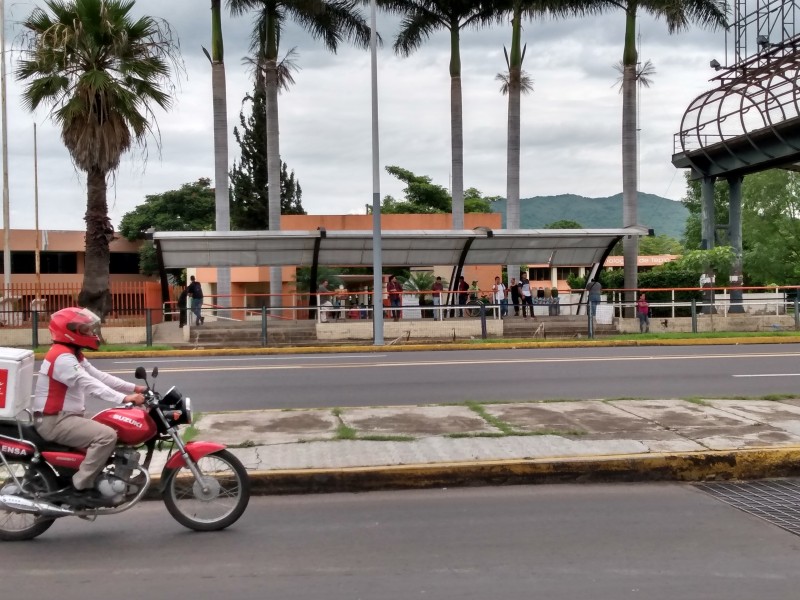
(203, 485)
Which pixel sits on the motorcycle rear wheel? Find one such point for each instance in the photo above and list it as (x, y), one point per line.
(224, 501)
(16, 527)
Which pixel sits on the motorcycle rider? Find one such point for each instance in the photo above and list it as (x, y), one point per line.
(65, 379)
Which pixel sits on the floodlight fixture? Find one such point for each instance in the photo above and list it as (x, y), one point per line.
(714, 64)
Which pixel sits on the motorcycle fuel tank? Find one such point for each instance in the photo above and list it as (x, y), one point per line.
(133, 426)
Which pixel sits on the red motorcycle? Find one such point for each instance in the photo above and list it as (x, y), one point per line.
(203, 485)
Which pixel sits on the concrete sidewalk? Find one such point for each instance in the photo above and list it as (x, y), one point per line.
(357, 449)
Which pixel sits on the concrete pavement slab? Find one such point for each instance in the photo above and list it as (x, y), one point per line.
(747, 436)
(677, 414)
(763, 411)
(268, 426)
(416, 420)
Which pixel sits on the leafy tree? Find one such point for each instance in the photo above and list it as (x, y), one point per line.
(102, 72)
(658, 244)
(564, 224)
(770, 224)
(190, 208)
(302, 278)
(249, 177)
(424, 197)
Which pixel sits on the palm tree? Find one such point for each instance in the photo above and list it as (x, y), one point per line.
(678, 16)
(421, 18)
(329, 20)
(101, 71)
(220, 110)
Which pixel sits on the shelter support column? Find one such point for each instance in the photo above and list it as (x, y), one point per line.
(708, 229)
(735, 236)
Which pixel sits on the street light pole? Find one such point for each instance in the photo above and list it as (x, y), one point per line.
(377, 258)
(4, 125)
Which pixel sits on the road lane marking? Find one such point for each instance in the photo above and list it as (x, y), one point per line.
(768, 375)
(245, 358)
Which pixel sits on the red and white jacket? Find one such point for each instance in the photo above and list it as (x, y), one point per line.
(66, 379)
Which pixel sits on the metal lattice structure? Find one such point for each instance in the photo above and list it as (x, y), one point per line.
(751, 120)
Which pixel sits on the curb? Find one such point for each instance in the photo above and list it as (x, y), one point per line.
(441, 347)
(758, 463)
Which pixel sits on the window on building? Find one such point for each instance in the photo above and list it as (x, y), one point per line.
(539, 274)
(24, 263)
(564, 272)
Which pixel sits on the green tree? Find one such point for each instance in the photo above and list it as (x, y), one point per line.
(421, 18)
(249, 177)
(422, 196)
(770, 224)
(329, 20)
(564, 224)
(190, 208)
(102, 72)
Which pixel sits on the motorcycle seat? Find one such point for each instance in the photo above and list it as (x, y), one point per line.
(29, 433)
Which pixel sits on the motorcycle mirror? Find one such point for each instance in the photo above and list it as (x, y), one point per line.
(155, 372)
(140, 373)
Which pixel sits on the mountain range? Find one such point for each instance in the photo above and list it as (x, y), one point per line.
(665, 216)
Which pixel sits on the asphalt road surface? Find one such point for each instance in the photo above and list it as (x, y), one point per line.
(383, 379)
(599, 542)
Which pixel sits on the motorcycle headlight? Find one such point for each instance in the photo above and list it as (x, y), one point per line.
(187, 410)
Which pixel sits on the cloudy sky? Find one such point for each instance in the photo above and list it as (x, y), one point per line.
(571, 122)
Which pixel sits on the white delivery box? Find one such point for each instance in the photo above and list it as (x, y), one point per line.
(16, 381)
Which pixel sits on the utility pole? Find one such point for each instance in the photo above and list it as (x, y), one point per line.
(4, 124)
(377, 257)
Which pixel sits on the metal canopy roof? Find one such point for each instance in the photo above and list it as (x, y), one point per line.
(554, 247)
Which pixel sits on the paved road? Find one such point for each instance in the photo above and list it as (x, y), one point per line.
(308, 381)
(653, 541)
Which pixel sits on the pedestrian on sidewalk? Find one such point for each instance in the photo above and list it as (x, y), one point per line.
(595, 289)
(195, 290)
(463, 294)
(643, 312)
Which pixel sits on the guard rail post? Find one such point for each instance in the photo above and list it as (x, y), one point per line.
(484, 334)
(591, 320)
(148, 327)
(694, 315)
(796, 312)
(263, 324)
(35, 330)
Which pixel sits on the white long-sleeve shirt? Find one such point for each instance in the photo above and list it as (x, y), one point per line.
(66, 380)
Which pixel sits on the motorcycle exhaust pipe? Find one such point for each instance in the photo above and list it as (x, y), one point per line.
(38, 507)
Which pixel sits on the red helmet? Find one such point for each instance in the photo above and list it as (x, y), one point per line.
(77, 326)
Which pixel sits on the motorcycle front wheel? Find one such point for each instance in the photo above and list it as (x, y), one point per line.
(220, 504)
(14, 526)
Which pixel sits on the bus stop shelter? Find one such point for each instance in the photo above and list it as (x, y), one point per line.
(402, 248)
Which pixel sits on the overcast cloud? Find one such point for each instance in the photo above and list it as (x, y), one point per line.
(571, 122)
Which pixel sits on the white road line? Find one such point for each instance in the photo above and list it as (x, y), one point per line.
(769, 375)
(244, 358)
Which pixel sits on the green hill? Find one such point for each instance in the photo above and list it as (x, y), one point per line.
(665, 216)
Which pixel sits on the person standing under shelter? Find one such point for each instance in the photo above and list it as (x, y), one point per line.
(643, 312)
(595, 289)
(195, 291)
(515, 294)
(463, 294)
(527, 299)
(324, 300)
(395, 291)
(437, 288)
(182, 309)
(499, 290)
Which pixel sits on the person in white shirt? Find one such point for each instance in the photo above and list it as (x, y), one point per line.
(500, 297)
(527, 299)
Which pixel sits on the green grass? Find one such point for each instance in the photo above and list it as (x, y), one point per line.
(696, 400)
(345, 432)
(478, 409)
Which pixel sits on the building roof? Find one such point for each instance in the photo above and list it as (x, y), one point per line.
(481, 246)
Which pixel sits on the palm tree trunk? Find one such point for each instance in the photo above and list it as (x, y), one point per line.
(95, 294)
(220, 110)
(273, 152)
(629, 160)
(456, 129)
(514, 126)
